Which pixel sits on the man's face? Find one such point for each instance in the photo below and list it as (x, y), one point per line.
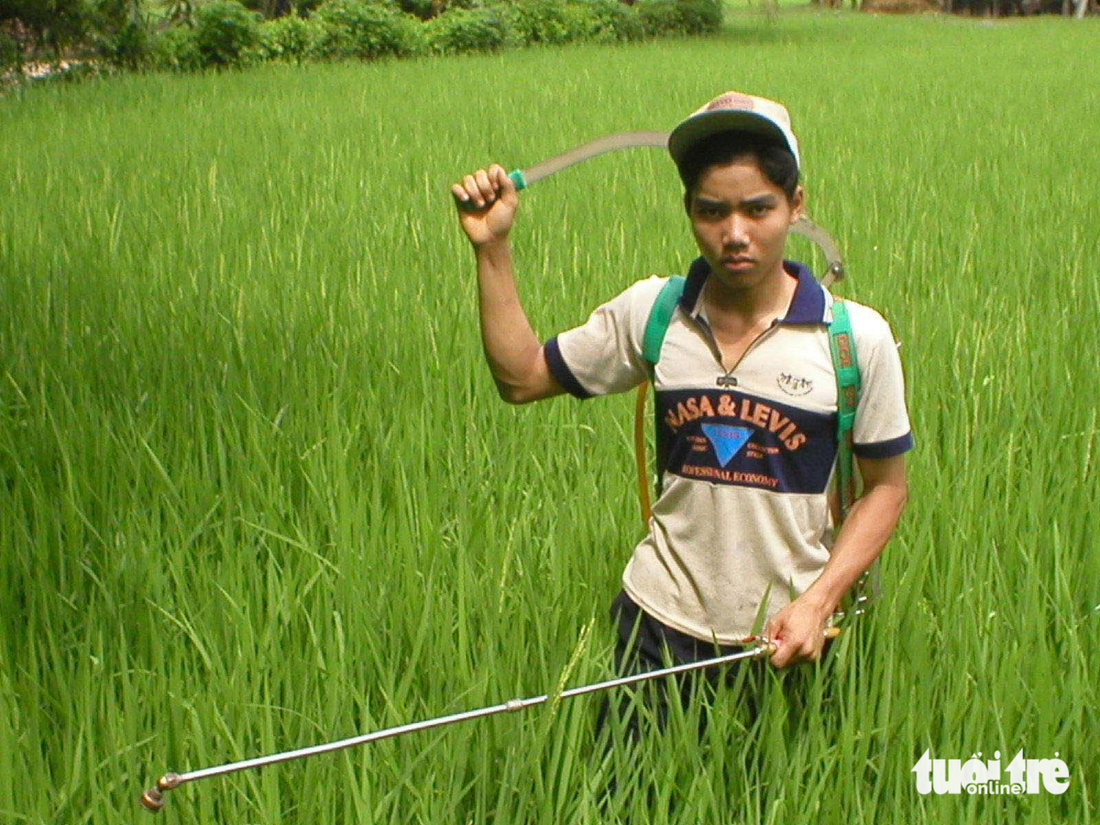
(740, 220)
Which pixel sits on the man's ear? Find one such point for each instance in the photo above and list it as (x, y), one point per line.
(798, 203)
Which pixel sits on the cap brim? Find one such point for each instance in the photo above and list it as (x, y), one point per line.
(703, 125)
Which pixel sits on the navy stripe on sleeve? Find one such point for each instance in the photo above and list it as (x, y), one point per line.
(885, 449)
(560, 370)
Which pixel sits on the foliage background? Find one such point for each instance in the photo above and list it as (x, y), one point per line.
(107, 35)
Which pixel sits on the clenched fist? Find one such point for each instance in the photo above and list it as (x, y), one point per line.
(487, 202)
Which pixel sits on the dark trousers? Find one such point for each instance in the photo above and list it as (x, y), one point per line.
(644, 644)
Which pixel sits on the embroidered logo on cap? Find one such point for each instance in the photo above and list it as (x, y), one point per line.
(731, 100)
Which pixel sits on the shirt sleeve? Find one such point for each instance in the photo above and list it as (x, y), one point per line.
(604, 355)
(881, 428)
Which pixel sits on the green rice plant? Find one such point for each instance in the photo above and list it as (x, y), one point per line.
(257, 490)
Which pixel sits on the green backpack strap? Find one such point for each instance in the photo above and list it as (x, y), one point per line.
(660, 314)
(842, 344)
(656, 325)
(843, 347)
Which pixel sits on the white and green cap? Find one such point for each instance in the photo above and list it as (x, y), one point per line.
(729, 111)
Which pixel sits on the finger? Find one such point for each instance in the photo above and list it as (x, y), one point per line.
(782, 656)
(807, 651)
(473, 190)
(819, 648)
(772, 631)
(811, 647)
(485, 186)
(780, 659)
(460, 192)
(503, 182)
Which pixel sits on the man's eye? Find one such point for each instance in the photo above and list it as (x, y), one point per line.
(758, 210)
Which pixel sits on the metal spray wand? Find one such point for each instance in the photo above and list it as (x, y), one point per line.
(153, 798)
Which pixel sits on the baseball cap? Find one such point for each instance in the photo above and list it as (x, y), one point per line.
(734, 110)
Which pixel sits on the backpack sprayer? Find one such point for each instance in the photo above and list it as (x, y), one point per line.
(848, 389)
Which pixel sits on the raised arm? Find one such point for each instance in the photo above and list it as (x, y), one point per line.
(487, 209)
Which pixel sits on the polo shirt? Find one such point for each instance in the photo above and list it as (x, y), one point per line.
(746, 459)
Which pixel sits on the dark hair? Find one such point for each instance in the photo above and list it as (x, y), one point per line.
(774, 159)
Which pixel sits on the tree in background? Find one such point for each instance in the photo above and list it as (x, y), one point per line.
(270, 8)
(120, 32)
(53, 29)
(52, 25)
(180, 11)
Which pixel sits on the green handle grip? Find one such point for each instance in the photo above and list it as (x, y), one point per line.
(517, 178)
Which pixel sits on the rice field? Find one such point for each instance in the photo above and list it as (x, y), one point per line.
(259, 491)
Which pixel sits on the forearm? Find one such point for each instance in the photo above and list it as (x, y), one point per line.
(511, 347)
(863, 535)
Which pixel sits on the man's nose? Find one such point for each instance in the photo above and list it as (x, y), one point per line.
(734, 232)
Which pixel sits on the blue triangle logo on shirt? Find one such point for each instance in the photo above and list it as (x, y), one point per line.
(727, 441)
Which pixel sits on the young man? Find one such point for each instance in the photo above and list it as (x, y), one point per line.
(746, 400)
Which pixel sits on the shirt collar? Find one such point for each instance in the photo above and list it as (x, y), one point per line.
(807, 306)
